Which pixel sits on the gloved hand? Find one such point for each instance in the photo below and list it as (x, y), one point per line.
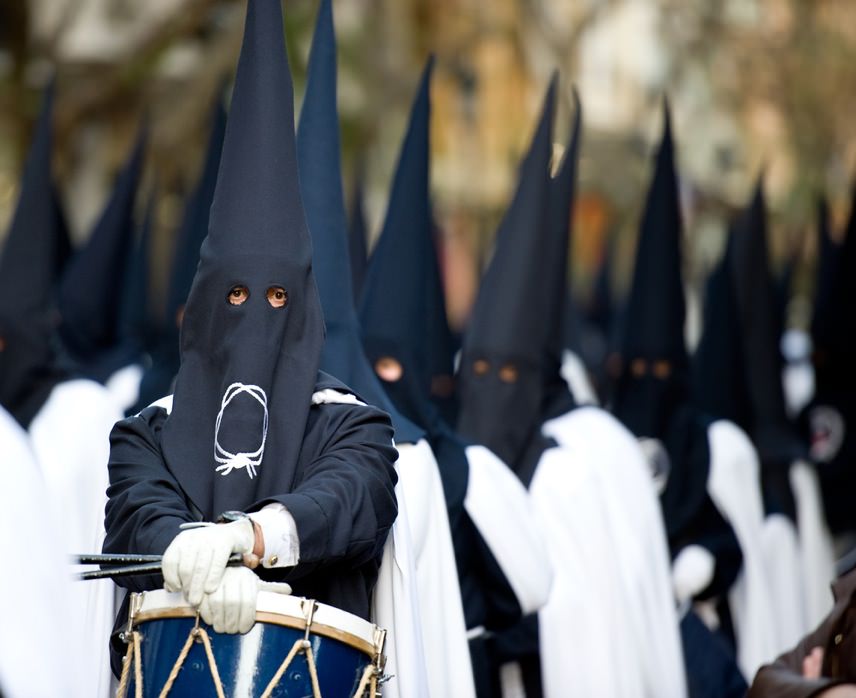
(231, 607)
(195, 561)
(692, 571)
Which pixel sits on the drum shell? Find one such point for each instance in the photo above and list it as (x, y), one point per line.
(246, 663)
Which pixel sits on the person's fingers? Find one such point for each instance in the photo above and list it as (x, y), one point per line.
(206, 611)
(169, 567)
(813, 663)
(231, 603)
(201, 572)
(186, 565)
(214, 575)
(219, 605)
(247, 615)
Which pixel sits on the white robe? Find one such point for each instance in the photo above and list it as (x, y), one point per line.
(124, 386)
(734, 485)
(444, 632)
(395, 605)
(70, 439)
(501, 510)
(609, 477)
(782, 555)
(38, 656)
(583, 627)
(817, 556)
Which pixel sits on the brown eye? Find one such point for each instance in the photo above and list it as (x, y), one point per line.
(508, 373)
(277, 296)
(238, 294)
(389, 369)
(662, 369)
(481, 367)
(638, 368)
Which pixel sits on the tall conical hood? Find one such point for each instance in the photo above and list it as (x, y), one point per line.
(653, 380)
(36, 245)
(600, 310)
(833, 325)
(35, 248)
(559, 313)
(828, 254)
(194, 223)
(773, 435)
(395, 306)
(719, 384)
(165, 358)
(252, 332)
(319, 157)
(502, 363)
(136, 327)
(90, 294)
(440, 343)
(358, 239)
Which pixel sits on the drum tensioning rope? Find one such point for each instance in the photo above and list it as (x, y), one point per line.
(368, 680)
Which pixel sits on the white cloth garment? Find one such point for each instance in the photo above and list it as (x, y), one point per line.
(635, 536)
(446, 651)
(734, 485)
(782, 555)
(817, 556)
(38, 657)
(584, 625)
(124, 386)
(499, 507)
(70, 439)
(576, 377)
(395, 604)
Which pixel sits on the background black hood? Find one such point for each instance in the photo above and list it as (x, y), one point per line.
(653, 379)
(35, 249)
(319, 157)
(501, 376)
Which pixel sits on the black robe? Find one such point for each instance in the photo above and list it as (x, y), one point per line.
(343, 501)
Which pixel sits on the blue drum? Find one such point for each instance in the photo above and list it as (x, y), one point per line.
(297, 648)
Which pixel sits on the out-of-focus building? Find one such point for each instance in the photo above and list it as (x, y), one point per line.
(753, 84)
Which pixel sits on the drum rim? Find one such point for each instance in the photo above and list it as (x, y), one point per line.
(161, 605)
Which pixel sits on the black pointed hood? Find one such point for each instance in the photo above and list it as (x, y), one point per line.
(136, 328)
(194, 222)
(502, 362)
(828, 255)
(319, 158)
(771, 431)
(719, 385)
(358, 238)
(249, 369)
(441, 344)
(35, 248)
(165, 358)
(560, 313)
(654, 364)
(394, 312)
(91, 288)
(833, 324)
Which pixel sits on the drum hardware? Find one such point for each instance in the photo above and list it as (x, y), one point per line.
(313, 626)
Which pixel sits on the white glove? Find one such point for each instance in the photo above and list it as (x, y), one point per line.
(692, 571)
(231, 608)
(195, 561)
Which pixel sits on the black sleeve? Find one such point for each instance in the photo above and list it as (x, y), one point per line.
(145, 504)
(343, 501)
